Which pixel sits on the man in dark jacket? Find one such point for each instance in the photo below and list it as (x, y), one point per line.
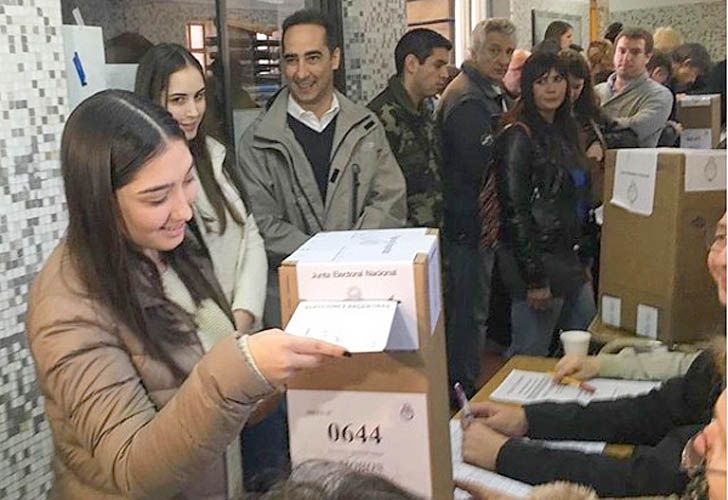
(469, 106)
(659, 423)
(405, 108)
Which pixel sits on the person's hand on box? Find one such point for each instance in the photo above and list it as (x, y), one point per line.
(279, 355)
(577, 366)
(506, 419)
(676, 125)
(481, 444)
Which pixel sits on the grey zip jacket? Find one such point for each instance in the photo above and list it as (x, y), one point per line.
(282, 193)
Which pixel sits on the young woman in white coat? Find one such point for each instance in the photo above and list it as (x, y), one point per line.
(169, 75)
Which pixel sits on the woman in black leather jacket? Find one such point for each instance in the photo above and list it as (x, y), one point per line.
(540, 227)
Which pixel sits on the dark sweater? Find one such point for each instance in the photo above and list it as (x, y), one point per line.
(659, 423)
(317, 148)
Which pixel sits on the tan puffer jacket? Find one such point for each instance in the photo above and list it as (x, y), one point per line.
(122, 426)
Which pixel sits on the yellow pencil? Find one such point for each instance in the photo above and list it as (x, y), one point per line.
(566, 380)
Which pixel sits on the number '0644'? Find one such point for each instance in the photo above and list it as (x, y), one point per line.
(353, 433)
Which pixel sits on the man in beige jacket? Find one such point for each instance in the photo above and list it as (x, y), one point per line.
(314, 160)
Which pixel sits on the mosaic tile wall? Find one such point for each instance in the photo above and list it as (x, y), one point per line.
(521, 16)
(32, 218)
(160, 21)
(701, 22)
(371, 31)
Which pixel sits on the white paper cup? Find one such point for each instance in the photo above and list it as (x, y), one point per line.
(575, 342)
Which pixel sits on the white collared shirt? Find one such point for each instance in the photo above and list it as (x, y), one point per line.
(309, 118)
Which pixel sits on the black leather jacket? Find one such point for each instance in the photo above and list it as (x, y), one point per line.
(537, 197)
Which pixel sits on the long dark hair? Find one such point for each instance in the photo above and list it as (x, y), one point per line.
(107, 139)
(536, 66)
(152, 81)
(555, 30)
(576, 66)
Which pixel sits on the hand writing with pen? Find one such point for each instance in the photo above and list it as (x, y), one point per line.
(486, 428)
(491, 427)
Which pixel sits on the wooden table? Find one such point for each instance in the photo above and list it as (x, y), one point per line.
(535, 364)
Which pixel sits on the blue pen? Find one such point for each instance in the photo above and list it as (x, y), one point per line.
(79, 69)
(464, 404)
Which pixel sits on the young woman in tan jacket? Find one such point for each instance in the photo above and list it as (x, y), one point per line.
(170, 76)
(140, 404)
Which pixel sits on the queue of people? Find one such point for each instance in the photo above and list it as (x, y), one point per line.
(154, 325)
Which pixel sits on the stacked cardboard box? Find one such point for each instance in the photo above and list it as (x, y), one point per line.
(700, 117)
(660, 207)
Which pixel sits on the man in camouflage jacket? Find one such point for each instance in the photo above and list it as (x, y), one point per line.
(405, 108)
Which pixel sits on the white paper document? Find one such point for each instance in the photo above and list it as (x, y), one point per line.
(611, 310)
(635, 176)
(367, 265)
(434, 282)
(525, 387)
(384, 433)
(121, 76)
(705, 170)
(696, 138)
(472, 474)
(694, 100)
(357, 325)
(647, 321)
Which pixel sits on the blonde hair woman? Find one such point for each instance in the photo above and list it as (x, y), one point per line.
(667, 39)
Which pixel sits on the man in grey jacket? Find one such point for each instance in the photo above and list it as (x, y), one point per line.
(629, 96)
(314, 160)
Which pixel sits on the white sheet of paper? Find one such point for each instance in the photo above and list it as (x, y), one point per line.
(695, 100)
(696, 138)
(76, 12)
(635, 176)
(476, 475)
(357, 325)
(380, 432)
(611, 310)
(524, 387)
(647, 321)
(121, 76)
(434, 282)
(705, 170)
(366, 265)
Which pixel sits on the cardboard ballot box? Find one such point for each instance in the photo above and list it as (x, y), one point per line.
(700, 118)
(660, 206)
(385, 409)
